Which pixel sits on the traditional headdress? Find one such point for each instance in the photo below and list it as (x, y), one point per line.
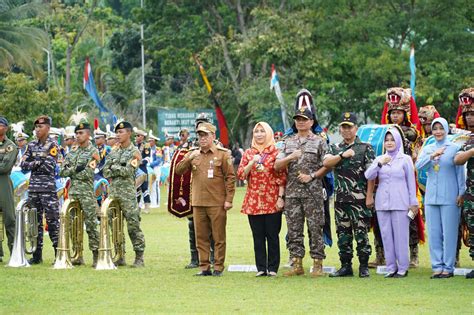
(466, 104)
(400, 99)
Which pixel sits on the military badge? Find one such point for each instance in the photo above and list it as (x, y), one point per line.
(93, 164)
(53, 151)
(134, 163)
(10, 148)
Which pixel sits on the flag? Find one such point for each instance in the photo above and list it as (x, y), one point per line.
(275, 85)
(413, 71)
(221, 121)
(89, 86)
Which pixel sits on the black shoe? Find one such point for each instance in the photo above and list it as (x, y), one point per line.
(435, 276)
(204, 273)
(364, 272)
(1, 259)
(261, 274)
(390, 274)
(192, 265)
(217, 273)
(446, 275)
(470, 275)
(35, 261)
(345, 271)
(397, 275)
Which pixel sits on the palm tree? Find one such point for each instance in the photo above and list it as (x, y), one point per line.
(20, 45)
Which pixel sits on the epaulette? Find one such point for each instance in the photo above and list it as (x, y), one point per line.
(221, 148)
(193, 148)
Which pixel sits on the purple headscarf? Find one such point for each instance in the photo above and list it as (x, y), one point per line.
(398, 142)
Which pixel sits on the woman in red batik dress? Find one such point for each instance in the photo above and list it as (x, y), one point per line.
(264, 200)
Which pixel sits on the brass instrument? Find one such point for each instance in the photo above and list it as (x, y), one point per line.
(110, 214)
(26, 234)
(71, 234)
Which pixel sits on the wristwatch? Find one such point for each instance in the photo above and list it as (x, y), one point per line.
(312, 176)
(379, 164)
(340, 155)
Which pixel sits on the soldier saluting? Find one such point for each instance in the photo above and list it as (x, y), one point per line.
(79, 165)
(40, 158)
(120, 167)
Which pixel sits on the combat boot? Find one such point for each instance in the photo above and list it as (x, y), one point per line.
(379, 258)
(139, 262)
(470, 275)
(364, 267)
(317, 268)
(78, 262)
(345, 271)
(37, 258)
(296, 269)
(414, 256)
(120, 262)
(95, 257)
(194, 260)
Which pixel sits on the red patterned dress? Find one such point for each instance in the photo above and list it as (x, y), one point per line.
(263, 182)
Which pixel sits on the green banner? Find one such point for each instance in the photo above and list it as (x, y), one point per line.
(171, 121)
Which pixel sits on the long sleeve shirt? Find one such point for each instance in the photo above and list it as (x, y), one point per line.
(397, 188)
(445, 180)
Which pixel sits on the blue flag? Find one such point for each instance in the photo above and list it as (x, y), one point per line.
(89, 86)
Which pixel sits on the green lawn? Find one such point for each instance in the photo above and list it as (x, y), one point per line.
(165, 286)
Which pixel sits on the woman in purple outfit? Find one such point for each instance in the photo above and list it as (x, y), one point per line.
(394, 200)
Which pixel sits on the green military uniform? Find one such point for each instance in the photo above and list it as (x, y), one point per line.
(120, 169)
(468, 209)
(352, 215)
(79, 165)
(8, 154)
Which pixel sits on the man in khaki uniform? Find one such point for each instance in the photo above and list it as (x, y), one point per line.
(213, 188)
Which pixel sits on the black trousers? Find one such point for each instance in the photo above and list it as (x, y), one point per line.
(265, 230)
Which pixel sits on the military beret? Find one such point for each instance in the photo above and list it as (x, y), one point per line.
(43, 119)
(123, 125)
(82, 126)
(206, 127)
(3, 121)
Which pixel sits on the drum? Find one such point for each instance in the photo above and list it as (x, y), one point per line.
(19, 181)
(140, 177)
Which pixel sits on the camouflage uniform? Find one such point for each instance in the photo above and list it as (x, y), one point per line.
(468, 209)
(120, 170)
(8, 154)
(41, 159)
(304, 200)
(352, 215)
(79, 165)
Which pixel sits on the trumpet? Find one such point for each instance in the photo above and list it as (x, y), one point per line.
(26, 234)
(110, 214)
(71, 231)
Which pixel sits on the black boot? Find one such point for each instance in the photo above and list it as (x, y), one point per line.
(37, 257)
(194, 260)
(346, 269)
(95, 257)
(139, 261)
(364, 267)
(470, 275)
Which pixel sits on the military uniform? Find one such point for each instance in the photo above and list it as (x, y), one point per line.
(8, 154)
(468, 209)
(120, 169)
(304, 200)
(79, 165)
(213, 184)
(352, 215)
(41, 159)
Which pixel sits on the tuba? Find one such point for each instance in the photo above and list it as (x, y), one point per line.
(71, 231)
(26, 234)
(110, 214)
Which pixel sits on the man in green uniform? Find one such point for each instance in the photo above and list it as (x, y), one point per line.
(79, 165)
(120, 168)
(466, 154)
(350, 159)
(8, 154)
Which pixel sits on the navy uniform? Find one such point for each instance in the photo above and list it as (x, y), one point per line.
(8, 154)
(41, 159)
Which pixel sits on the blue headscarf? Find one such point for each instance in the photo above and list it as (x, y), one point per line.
(445, 125)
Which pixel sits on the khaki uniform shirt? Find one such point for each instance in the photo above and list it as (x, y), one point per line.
(205, 191)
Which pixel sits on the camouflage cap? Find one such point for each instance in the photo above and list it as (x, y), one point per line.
(206, 127)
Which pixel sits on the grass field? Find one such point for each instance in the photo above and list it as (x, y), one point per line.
(164, 286)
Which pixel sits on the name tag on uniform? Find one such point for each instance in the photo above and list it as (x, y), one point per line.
(312, 146)
(210, 173)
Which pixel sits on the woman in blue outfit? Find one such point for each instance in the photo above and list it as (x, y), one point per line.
(445, 186)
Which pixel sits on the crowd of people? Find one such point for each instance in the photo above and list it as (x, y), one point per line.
(413, 180)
